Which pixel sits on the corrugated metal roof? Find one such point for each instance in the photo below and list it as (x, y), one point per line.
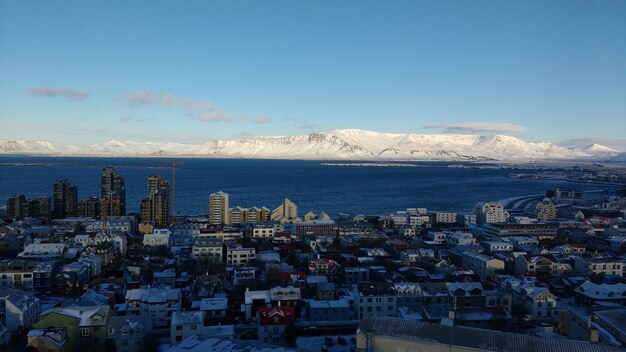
(480, 339)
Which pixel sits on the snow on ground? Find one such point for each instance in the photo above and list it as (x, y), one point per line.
(316, 343)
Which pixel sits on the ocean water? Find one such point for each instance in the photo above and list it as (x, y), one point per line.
(312, 185)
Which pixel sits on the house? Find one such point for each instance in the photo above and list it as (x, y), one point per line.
(18, 309)
(214, 309)
(543, 265)
(129, 333)
(589, 293)
(537, 302)
(84, 326)
(466, 294)
(160, 237)
(354, 275)
(483, 265)
(253, 301)
(454, 239)
(185, 324)
(285, 296)
(332, 310)
(409, 295)
(17, 273)
(159, 304)
(240, 256)
(210, 249)
(325, 291)
(273, 324)
(374, 299)
(48, 340)
(599, 266)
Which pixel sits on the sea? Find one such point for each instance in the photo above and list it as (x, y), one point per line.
(333, 187)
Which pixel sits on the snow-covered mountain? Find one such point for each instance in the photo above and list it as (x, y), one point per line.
(345, 144)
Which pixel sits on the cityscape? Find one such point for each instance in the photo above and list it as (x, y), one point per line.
(313, 176)
(536, 271)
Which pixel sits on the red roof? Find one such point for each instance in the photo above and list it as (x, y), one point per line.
(277, 316)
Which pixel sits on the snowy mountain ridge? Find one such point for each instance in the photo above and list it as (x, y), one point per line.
(343, 144)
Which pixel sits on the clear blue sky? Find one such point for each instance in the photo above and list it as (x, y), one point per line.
(85, 72)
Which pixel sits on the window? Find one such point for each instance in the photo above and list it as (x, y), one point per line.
(124, 331)
(194, 327)
(84, 332)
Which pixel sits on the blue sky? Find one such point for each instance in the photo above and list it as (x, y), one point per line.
(86, 72)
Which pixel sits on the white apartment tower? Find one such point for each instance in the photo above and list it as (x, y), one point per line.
(218, 208)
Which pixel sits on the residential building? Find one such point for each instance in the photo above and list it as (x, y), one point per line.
(240, 256)
(160, 237)
(159, 304)
(483, 265)
(374, 299)
(589, 293)
(48, 340)
(354, 275)
(155, 208)
(210, 249)
(537, 302)
(184, 325)
(129, 332)
(599, 266)
(18, 309)
(546, 210)
(285, 212)
(285, 296)
(17, 207)
(218, 208)
(40, 208)
(273, 323)
(487, 213)
(543, 265)
(17, 273)
(65, 197)
(262, 231)
(84, 326)
(333, 310)
(214, 309)
(539, 231)
(112, 193)
(88, 208)
(454, 239)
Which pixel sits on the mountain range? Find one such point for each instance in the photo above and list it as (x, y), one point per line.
(343, 144)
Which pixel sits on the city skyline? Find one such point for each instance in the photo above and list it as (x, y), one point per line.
(194, 72)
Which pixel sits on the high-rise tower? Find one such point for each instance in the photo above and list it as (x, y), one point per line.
(218, 208)
(65, 197)
(112, 193)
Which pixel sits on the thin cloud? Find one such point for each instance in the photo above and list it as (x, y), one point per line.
(263, 119)
(51, 92)
(300, 123)
(136, 119)
(199, 109)
(478, 127)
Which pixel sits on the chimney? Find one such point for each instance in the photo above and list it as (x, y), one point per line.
(594, 336)
(451, 314)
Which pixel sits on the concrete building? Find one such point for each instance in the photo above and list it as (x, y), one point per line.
(454, 239)
(543, 265)
(218, 208)
(112, 193)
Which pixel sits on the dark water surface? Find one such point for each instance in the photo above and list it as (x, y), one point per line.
(310, 184)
